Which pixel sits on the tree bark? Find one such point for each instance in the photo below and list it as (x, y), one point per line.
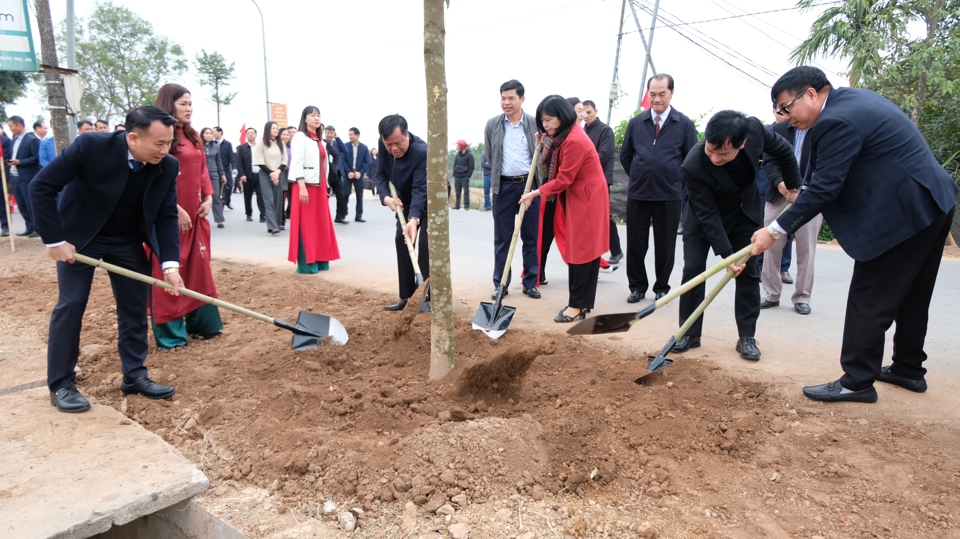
(56, 98)
(441, 290)
(932, 18)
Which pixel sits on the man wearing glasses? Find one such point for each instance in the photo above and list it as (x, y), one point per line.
(890, 204)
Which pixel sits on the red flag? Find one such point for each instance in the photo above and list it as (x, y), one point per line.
(243, 134)
(645, 104)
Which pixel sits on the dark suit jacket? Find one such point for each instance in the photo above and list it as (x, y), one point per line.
(602, 137)
(772, 169)
(227, 158)
(363, 159)
(408, 175)
(334, 154)
(871, 174)
(245, 162)
(714, 201)
(341, 149)
(29, 156)
(89, 177)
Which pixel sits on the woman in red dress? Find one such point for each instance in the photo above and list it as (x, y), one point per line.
(313, 242)
(576, 179)
(175, 318)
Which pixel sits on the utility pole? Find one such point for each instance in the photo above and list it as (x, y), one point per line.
(71, 32)
(616, 61)
(55, 93)
(266, 86)
(648, 62)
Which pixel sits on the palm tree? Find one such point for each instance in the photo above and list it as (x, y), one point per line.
(855, 29)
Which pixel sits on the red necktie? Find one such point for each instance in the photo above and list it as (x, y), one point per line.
(656, 129)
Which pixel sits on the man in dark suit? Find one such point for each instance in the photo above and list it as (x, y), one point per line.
(249, 175)
(338, 173)
(889, 203)
(4, 226)
(602, 137)
(116, 191)
(24, 163)
(403, 162)
(723, 210)
(229, 161)
(356, 162)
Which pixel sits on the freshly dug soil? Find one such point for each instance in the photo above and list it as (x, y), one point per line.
(547, 429)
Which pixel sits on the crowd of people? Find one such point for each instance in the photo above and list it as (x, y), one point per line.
(708, 190)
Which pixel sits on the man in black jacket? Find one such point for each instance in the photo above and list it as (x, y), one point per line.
(723, 211)
(653, 149)
(229, 161)
(24, 163)
(337, 149)
(116, 191)
(463, 165)
(602, 137)
(249, 175)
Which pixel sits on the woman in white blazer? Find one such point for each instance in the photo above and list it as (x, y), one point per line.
(313, 242)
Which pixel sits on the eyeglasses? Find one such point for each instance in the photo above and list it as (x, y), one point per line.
(786, 108)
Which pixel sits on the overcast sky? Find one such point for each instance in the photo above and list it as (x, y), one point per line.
(360, 60)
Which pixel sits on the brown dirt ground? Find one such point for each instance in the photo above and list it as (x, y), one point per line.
(564, 445)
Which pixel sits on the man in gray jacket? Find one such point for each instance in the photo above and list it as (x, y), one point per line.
(509, 141)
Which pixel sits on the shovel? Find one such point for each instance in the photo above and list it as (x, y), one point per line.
(494, 318)
(309, 331)
(661, 361)
(421, 289)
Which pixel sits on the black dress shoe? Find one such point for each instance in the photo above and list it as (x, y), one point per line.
(4, 233)
(832, 392)
(69, 400)
(496, 291)
(249, 218)
(766, 304)
(785, 277)
(219, 225)
(749, 348)
(229, 207)
(25, 233)
(543, 280)
(532, 292)
(148, 388)
(563, 318)
(918, 386)
(360, 220)
(615, 259)
(661, 294)
(338, 220)
(635, 296)
(685, 343)
(33, 234)
(398, 306)
(802, 308)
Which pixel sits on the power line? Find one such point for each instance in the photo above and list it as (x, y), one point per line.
(754, 14)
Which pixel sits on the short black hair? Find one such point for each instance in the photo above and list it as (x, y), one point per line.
(329, 128)
(512, 84)
(727, 125)
(573, 102)
(389, 124)
(590, 103)
(218, 130)
(797, 80)
(16, 119)
(560, 108)
(36, 125)
(354, 130)
(104, 122)
(141, 118)
(118, 126)
(661, 76)
(249, 128)
(82, 123)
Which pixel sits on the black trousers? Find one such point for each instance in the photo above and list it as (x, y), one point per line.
(407, 278)
(546, 233)
(583, 284)
(74, 281)
(506, 204)
(252, 187)
(227, 190)
(462, 186)
(615, 248)
(893, 287)
(357, 187)
(747, 298)
(337, 183)
(665, 216)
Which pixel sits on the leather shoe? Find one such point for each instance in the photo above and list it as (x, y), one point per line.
(69, 400)
(543, 280)
(360, 220)
(532, 292)
(4, 233)
(398, 306)
(749, 348)
(249, 218)
(766, 304)
(635, 296)
(496, 292)
(918, 386)
(802, 308)
(831, 392)
(25, 233)
(341, 221)
(615, 259)
(661, 294)
(148, 388)
(685, 343)
(785, 277)
(33, 234)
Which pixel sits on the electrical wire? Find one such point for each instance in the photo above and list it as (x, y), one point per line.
(754, 14)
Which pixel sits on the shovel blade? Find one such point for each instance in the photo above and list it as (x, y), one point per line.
(604, 323)
(491, 321)
(319, 328)
(663, 362)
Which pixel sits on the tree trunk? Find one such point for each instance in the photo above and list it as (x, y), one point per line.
(441, 290)
(932, 19)
(56, 99)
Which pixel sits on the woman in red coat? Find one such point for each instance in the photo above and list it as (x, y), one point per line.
(576, 179)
